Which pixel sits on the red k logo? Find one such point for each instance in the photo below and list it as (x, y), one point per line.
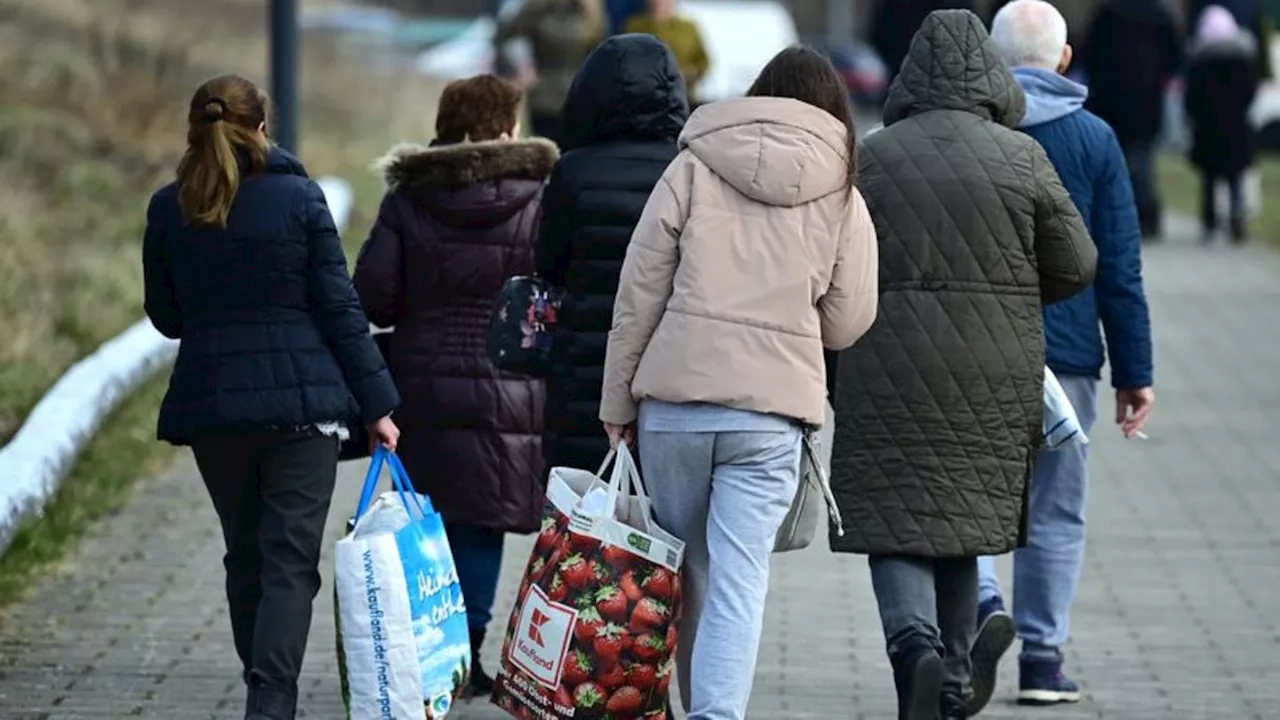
(542, 641)
(535, 624)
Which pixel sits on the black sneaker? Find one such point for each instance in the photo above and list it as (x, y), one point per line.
(917, 673)
(1041, 682)
(996, 633)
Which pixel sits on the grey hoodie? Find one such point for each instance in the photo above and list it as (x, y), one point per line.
(1049, 95)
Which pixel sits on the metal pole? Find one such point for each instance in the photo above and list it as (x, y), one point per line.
(284, 71)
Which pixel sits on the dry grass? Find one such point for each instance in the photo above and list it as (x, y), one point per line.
(1180, 185)
(92, 96)
(92, 104)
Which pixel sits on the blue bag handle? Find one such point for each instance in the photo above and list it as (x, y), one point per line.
(400, 478)
(399, 482)
(376, 461)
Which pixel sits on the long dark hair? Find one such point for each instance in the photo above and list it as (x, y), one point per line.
(804, 74)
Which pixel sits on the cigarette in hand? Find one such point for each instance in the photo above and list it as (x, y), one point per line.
(1141, 435)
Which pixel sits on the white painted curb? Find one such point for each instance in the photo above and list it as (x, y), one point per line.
(34, 463)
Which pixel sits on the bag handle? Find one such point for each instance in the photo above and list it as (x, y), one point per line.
(626, 479)
(399, 482)
(638, 489)
(810, 448)
(620, 479)
(371, 477)
(636, 483)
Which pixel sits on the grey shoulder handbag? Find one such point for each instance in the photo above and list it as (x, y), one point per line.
(814, 490)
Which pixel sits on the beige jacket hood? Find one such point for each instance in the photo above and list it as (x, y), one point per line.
(776, 151)
(752, 254)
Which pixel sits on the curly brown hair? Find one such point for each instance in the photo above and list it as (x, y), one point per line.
(483, 107)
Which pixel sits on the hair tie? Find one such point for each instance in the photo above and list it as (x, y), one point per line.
(212, 116)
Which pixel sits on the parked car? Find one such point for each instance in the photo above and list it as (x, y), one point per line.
(865, 74)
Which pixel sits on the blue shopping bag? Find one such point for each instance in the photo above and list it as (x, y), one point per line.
(403, 643)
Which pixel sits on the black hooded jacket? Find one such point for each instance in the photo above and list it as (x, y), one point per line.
(622, 118)
(1132, 51)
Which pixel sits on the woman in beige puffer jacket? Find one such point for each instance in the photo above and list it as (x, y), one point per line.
(753, 254)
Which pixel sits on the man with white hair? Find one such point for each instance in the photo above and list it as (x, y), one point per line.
(1032, 37)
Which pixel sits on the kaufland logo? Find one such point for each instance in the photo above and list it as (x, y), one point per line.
(536, 622)
(542, 638)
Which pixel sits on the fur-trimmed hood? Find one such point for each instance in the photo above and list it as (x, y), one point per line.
(460, 165)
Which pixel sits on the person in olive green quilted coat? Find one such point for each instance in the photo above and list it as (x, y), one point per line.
(939, 406)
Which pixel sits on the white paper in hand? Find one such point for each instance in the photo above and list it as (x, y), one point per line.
(1061, 424)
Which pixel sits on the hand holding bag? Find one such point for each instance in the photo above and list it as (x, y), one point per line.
(813, 491)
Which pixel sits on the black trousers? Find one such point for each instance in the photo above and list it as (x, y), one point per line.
(271, 490)
(1235, 201)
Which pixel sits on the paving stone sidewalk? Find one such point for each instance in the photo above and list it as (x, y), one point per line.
(1176, 616)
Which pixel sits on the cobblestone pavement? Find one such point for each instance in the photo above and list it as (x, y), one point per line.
(1171, 621)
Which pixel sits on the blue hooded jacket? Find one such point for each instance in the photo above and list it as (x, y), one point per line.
(1087, 156)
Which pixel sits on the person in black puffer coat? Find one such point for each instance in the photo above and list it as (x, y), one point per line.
(243, 266)
(1131, 53)
(622, 117)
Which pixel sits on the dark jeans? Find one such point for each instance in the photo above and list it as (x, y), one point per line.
(477, 552)
(271, 490)
(1208, 200)
(1141, 158)
(933, 602)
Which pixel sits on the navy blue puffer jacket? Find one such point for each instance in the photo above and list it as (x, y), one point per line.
(271, 331)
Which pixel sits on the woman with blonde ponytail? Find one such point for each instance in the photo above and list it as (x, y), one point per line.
(243, 265)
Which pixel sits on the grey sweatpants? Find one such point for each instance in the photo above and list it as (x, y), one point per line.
(721, 480)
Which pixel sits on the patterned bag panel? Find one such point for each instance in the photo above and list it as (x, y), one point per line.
(520, 331)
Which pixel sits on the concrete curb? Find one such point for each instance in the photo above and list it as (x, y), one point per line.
(45, 448)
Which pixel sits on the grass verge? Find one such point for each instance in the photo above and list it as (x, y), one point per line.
(1180, 186)
(125, 450)
(93, 98)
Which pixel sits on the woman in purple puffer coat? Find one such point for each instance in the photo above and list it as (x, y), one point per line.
(459, 217)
